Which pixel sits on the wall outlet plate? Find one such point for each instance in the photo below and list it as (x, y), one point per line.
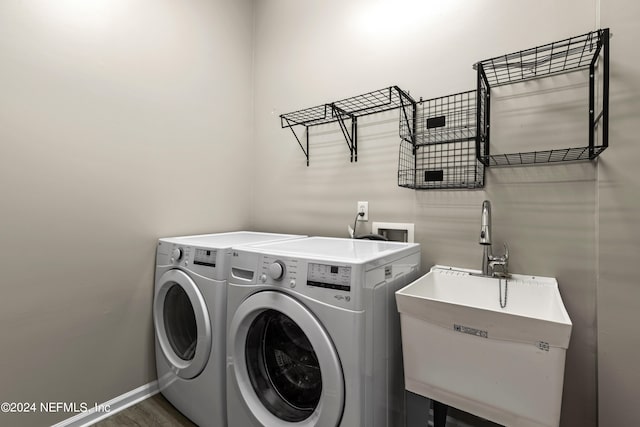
(363, 207)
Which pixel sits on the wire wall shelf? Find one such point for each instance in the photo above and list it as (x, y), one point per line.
(349, 109)
(445, 141)
(587, 51)
(438, 149)
(547, 156)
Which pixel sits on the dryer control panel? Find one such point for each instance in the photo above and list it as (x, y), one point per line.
(205, 257)
(207, 262)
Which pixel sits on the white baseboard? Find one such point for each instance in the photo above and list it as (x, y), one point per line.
(111, 407)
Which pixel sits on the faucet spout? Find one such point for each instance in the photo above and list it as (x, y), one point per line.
(485, 224)
(489, 261)
(485, 237)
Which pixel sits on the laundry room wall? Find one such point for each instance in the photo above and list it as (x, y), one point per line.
(618, 228)
(310, 53)
(120, 122)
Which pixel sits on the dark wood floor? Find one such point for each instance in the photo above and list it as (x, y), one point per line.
(156, 411)
(152, 412)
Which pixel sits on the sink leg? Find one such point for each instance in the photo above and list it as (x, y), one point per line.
(439, 414)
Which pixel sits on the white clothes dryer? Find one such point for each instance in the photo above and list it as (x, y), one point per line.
(313, 334)
(189, 314)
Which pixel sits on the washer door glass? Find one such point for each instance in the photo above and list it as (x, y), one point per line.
(283, 366)
(285, 369)
(180, 323)
(183, 327)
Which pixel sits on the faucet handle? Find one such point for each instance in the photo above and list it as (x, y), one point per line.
(503, 262)
(503, 258)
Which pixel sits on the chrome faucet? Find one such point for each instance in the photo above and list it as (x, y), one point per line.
(489, 261)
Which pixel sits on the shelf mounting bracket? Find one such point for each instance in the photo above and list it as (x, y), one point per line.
(290, 126)
(411, 127)
(350, 138)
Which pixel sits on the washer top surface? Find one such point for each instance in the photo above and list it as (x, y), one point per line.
(227, 240)
(347, 250)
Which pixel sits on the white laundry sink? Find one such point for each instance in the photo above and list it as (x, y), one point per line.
(461, 348)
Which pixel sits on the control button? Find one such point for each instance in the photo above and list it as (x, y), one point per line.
(292, 284)
(276, 270)
(263, 278)
(176, 254)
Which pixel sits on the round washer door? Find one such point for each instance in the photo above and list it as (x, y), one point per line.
(286, 366)
(182, 323)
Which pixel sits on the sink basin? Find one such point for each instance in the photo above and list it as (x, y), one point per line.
(461, 348)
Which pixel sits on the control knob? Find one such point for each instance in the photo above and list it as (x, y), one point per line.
(176, 254)
(276, 270)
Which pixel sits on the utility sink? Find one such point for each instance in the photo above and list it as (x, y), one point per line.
(460, 347)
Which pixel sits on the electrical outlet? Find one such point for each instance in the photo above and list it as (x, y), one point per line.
(363, 207)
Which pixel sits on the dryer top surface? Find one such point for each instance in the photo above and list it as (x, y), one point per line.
(228, 240)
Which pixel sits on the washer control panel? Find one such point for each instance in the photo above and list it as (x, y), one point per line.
(285, 272)
(329, 276)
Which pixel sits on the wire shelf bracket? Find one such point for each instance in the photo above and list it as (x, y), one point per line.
(348, 110)
(350, 137)
(290, 125)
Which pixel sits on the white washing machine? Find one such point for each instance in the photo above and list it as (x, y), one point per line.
(314, 334)
(189, 314)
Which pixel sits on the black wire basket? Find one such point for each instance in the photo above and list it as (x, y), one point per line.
(439, 147)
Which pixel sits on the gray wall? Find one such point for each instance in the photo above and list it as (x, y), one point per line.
(118, 121)
(618, 227)
(553, 217)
